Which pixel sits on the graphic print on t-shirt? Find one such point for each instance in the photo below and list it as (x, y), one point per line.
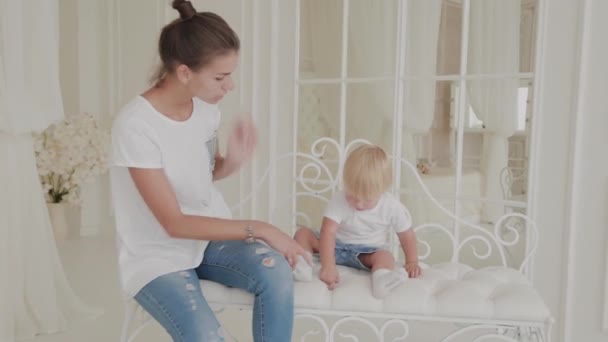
(212, 147)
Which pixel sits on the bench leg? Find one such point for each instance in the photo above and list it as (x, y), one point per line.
(546, 331)
(131, 320)
(130, 310)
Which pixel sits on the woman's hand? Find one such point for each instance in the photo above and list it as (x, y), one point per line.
(282, 243)
(242, 142)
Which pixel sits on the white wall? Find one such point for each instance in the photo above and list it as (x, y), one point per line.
(557, 70)
(84, 81)
(587, 286)
(571, 182)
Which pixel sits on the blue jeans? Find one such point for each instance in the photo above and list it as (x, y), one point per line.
(176, 302)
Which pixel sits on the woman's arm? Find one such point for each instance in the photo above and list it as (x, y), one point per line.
(158, 194)
(223, 167)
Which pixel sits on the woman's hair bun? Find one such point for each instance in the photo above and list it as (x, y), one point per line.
(185, 8)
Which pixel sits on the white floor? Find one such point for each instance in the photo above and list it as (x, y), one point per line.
(90, 264)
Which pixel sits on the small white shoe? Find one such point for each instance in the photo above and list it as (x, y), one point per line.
(302, 271)
(385, 280)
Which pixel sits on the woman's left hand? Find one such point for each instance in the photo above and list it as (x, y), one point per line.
(242, 142)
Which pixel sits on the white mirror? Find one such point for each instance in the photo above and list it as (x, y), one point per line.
(404, 65)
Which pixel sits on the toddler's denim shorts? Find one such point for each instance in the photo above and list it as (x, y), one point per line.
(348, 254)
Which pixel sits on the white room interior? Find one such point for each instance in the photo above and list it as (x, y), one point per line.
(546, 160)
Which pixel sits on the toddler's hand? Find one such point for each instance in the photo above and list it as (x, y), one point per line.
(330, 276)
(413, 269)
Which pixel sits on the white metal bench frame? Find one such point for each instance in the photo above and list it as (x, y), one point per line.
(519, 226)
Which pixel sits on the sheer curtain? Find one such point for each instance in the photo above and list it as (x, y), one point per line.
(35, 296)
(423, 21)
(420, 64)
(494, 49)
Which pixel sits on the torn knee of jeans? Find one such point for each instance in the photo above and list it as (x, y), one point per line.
(215, 335)
(262, 250)
(268, 262)
(184, 274)
(221, 247)
(190, 287)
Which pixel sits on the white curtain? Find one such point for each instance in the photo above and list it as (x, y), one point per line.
(35, 296)
(423, 21)
(494, 49)
(420, 64)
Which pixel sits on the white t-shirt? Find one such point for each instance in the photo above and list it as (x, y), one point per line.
(144, 138)
(368, 227)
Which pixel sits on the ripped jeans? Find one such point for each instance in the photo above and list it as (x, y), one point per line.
(176, 302)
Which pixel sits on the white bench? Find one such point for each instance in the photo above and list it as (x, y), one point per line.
(494, 300)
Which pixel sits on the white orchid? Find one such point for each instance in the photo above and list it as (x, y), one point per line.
(69, 154)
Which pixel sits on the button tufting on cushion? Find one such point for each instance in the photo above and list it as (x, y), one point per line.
(443, 290)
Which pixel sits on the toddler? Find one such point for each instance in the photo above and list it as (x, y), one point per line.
(356, 225)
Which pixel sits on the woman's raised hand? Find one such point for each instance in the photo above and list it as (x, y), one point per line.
(242, 141)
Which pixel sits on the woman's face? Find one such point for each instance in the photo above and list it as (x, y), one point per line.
(213, 81)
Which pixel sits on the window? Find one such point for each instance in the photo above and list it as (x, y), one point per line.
(472, 121)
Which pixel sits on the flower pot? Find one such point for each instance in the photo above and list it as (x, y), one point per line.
(59, 220)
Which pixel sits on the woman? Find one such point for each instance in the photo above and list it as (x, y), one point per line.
(173, 227)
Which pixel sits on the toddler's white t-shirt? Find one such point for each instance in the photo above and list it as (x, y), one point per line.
(144, 138)
(368, 227)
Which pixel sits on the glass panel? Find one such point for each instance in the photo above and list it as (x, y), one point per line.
(427, 143)
(450, 34)
(495, 143)
(372, 38)
(527, 38)
(501, 36)
(517, 43)
(319, 117)
(310, 207)
(369, 113)
(320, 38)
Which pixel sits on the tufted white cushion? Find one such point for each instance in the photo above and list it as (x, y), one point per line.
(444, 290)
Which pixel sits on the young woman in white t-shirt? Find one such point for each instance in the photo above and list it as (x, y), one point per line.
(173, 227)
(356, 225)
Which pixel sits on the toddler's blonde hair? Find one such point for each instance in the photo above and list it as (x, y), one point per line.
(367, 172)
